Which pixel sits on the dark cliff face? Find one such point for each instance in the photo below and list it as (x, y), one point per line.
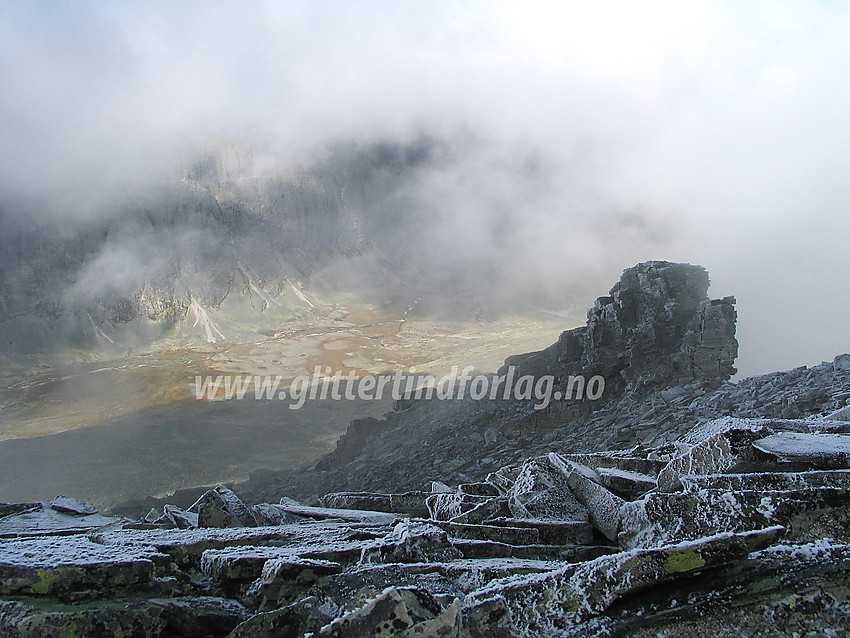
(656, 327)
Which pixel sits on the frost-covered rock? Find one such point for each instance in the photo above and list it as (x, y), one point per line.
(303, 617)
(504, 478)
(394, 611)
(842, 414)
(485, 511)
(445, 506)
(541, 491)
(603, 507)
(548, 603)
(180, 518)
(625, 461)
(626, 483)
(495, 533)
(20, 619)
(270, 514)
(410, 503)
(479, 489)
(72, 506)
(63, 565)
(661, 518)
(709, 456)
(820, 450)
(768, 481)
(411, 541)
(283, 579)
(552, 532)
(39, 520)
(220, 507)
(324, 513)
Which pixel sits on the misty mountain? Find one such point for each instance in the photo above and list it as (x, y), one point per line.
(221, 228)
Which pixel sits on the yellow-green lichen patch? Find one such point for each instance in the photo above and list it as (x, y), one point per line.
(684, 561)
(44, 581)
(69, 630)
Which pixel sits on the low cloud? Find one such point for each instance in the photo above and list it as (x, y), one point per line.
(578, 138)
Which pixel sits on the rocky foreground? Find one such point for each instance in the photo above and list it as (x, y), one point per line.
(741, 528)
(680, 505)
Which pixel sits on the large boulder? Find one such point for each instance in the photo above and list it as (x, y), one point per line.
(220, 507)
(542, 491)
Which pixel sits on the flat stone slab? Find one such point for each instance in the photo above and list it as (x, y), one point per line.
(496, 533)
(662, 517)
(363, 516)
(69, 551)
(768, 481)
(587, 589)
(617, 460)
(410, 503)
(64, 564)
(24, 620)
(626, 482)
(552, 532)
(489, 550)
(45, 521)
(72, 506)
(8, 509)
(246, 563)
(830, 450)
(192, 543)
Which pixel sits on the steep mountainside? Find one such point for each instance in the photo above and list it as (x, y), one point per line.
(224, 231)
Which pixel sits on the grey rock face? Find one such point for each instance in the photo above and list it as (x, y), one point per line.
(656, 326)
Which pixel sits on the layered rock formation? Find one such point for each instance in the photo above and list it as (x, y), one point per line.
(656, 327)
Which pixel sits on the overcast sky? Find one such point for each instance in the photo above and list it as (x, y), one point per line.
(710, 132)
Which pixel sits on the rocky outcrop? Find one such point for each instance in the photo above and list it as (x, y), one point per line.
(656, 327)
